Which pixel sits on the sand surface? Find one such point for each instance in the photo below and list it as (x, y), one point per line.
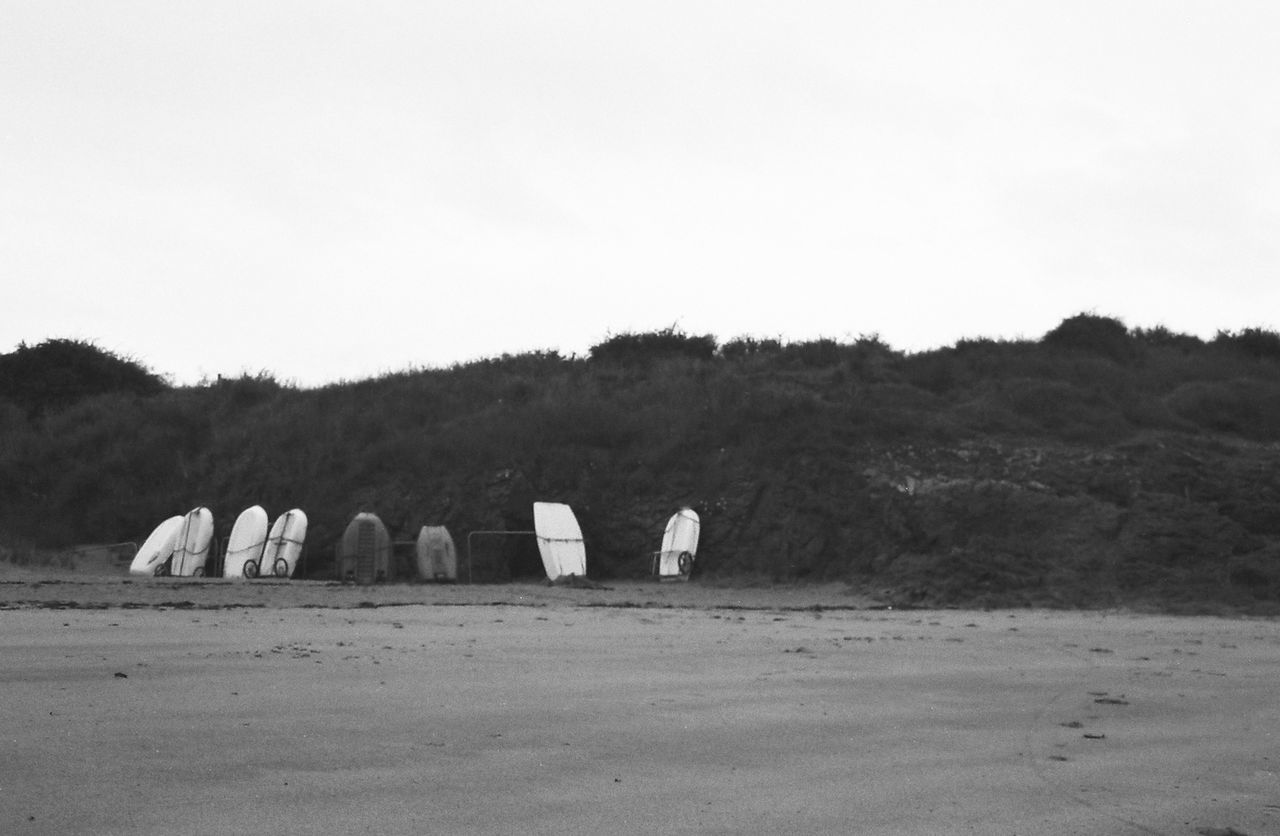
(165, 707)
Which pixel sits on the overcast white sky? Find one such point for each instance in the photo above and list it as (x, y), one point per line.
(331, 190)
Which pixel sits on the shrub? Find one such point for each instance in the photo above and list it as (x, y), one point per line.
(526, 362)
(1254, 342)
(1162, 337)
(57, 373)
(871, 358)
(1089, 332)
(1256, 573)
(982, 360)
(813, 354)
(987, 411)
(935, 371)
(653, 345)
(1244, 407)
(742, 347)
(247, 390)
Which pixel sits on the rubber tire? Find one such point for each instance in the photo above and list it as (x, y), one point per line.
(685, 563)
(281, 568)
(250, 569)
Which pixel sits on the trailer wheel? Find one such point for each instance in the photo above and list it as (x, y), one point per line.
(685, 563)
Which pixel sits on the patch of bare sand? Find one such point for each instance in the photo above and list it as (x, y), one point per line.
(565, 714)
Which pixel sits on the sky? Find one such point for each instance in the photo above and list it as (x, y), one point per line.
(331, 191)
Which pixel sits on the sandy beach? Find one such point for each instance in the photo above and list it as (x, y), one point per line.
(164, 706)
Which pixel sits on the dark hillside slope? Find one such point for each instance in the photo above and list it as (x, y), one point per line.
(1096, 467)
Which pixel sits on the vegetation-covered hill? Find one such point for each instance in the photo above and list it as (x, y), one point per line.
(1096, 466)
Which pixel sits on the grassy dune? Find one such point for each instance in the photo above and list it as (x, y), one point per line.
(1097, 466)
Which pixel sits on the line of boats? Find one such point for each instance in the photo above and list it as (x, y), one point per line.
(184, 546)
